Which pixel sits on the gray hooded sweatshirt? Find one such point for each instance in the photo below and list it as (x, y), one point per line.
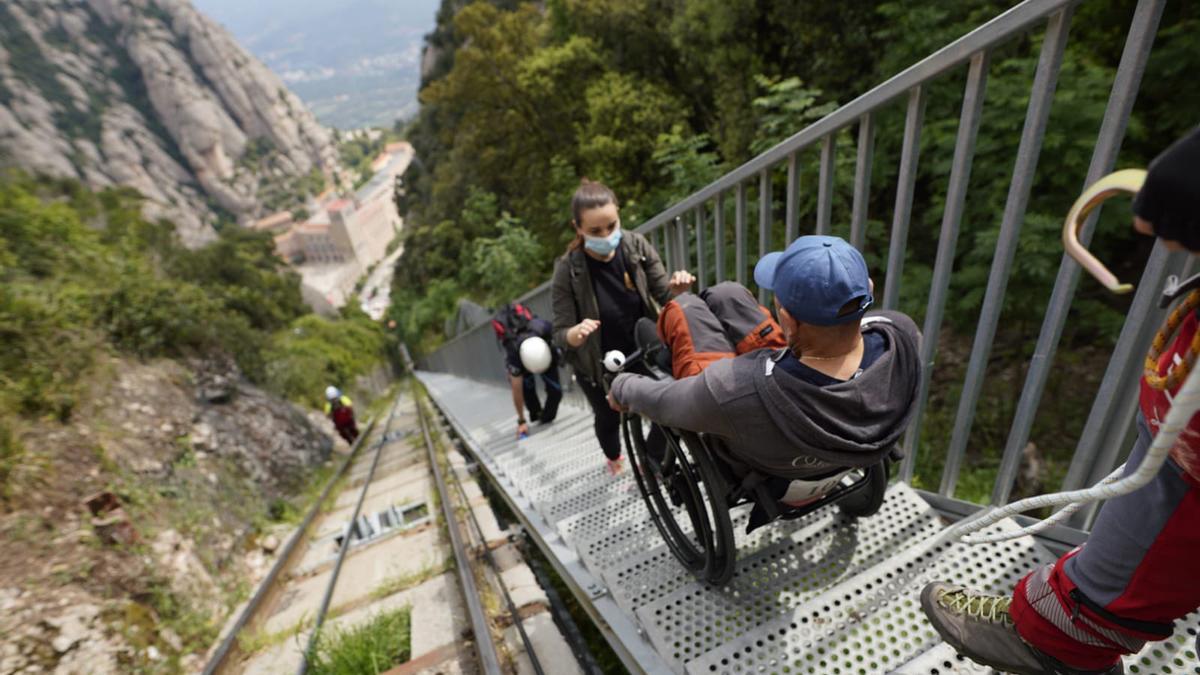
(783, 426)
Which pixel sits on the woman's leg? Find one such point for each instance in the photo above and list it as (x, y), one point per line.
(607, 422)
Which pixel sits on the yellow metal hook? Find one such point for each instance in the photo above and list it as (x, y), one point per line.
(1127, 181)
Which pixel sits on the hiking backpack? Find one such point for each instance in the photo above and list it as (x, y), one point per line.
(511, 321)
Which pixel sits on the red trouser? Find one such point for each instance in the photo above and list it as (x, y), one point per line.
(1125, 586)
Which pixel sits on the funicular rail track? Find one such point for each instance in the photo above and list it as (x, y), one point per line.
(381, 462)
(820, 594)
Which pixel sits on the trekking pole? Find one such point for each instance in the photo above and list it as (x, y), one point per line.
(1184, 406)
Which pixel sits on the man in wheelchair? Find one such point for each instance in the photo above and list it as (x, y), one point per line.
(796, 403)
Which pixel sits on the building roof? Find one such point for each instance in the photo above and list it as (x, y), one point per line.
(338, 205)
(272, 221)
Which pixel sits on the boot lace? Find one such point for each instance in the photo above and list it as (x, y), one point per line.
(988, 608)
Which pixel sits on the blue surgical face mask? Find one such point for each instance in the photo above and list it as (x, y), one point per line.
(603, 245)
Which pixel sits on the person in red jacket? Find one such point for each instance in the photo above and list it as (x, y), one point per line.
(1136, 573)
(341, 411)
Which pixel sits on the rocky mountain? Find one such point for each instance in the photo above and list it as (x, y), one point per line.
(153, 95)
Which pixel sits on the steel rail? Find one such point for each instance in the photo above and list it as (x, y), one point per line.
(347, 539)
(217, 662)
(489, 660)
(491, 561)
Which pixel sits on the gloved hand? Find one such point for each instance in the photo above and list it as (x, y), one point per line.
(1169, 201)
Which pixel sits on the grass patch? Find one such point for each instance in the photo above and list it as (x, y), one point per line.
(402, 582)
(378, 645)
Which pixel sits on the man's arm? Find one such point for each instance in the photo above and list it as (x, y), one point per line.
(685, 404)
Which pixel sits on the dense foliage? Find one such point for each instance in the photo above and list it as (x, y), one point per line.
(658, 97)
(82, 271)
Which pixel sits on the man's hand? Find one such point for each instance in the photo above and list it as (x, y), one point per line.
(680, 282)
(578, 334)
(522, 428)
(612, 403)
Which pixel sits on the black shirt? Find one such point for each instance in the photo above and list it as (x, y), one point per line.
(874, 345)
(618, 300)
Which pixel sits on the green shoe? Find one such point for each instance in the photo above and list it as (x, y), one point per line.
(981, 629)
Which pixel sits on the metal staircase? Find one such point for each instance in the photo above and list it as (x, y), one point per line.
(822, 594)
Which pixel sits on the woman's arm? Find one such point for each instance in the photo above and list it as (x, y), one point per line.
(563, 303)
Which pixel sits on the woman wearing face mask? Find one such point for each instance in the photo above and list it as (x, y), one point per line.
(608, 279)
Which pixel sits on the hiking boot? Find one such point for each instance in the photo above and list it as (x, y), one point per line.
(980, 628)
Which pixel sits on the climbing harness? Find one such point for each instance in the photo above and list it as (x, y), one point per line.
(1184, 405)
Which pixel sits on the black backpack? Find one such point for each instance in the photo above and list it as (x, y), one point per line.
(511, 322)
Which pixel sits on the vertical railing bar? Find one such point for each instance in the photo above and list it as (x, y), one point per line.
(862, 181)
(905, 184)
(667, 249)
(1124, 366)
(1142, 30)
(956, 196)
(685, 253)
(764, 222)
(656, 242)
(739, 233)
(825, 185)
(1038, 112)
(719, 238)
(791, 223)
(701, 269)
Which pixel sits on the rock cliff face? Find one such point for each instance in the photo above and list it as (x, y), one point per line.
(153, 95)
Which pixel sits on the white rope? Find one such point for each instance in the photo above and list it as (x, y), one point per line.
(1185, 404)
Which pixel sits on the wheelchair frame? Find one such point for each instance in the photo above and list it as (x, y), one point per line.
(692, 477)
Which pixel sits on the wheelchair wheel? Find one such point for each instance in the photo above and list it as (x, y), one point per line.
(674, 487)
(867, 500)
(722, 554)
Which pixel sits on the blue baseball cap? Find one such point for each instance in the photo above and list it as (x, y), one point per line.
(815, 278)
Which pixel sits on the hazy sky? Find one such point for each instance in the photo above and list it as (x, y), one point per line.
(354, 62)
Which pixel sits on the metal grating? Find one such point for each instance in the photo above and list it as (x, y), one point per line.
(872, 622)
(828, 550)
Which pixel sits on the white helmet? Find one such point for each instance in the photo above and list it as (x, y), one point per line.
(331, 393)
(535, 355)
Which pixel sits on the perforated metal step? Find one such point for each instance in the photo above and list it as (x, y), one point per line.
(822, 594)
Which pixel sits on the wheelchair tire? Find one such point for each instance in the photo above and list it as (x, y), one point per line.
(660, 492)
(721, 554)
(867, 500)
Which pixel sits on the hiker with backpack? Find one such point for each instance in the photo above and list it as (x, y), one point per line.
(607, 280)
(341, 411)
(525, 339)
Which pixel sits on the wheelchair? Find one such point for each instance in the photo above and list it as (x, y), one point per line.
(692, 484)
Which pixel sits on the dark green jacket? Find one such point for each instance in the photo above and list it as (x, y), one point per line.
(574, 299)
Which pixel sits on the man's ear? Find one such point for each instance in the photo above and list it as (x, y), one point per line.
(871, 286)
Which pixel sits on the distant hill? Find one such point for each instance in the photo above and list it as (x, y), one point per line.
(155, 96)
(355, 63)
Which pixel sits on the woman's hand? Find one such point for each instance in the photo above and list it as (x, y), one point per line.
(680, 282)
(578, 334)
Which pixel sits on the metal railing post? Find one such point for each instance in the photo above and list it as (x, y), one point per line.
(1108, 143)
(825, 184)
(956, 196)
(764, 221)
(862, 181)
(791, 215)
(1037, 114)
(904, 195)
